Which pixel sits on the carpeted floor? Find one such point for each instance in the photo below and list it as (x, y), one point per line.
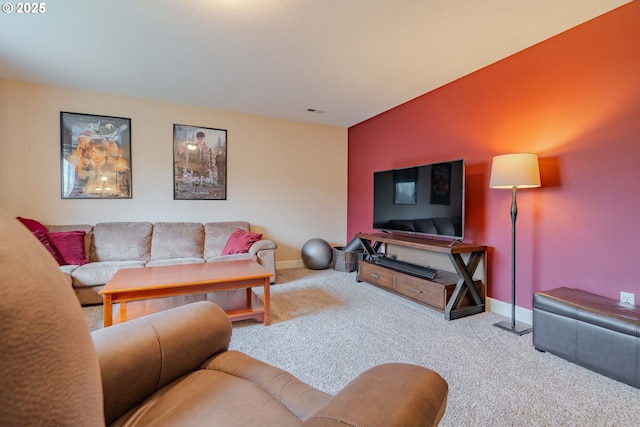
(326, 328)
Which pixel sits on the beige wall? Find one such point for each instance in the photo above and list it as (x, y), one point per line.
(287, 178)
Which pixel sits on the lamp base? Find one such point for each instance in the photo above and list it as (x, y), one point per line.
(520, 328)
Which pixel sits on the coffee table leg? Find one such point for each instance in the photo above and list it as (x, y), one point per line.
(267, 301)
(108, 310)
(248, 296)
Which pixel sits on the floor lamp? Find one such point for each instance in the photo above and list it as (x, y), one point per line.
(513, 171)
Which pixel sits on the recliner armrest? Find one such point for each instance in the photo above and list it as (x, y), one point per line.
(140, 356)
(394, 394)
(297, 396)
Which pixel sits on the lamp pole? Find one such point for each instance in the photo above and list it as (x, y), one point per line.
(514, 215)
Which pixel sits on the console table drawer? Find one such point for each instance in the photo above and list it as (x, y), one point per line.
(376, 275)
(421, 290)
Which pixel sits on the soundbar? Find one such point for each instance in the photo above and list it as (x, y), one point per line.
(405, 267)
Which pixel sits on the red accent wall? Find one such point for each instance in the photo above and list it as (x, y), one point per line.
(575, 100)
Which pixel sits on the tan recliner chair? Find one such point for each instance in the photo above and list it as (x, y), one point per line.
(170, 368)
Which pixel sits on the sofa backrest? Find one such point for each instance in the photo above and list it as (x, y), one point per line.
(122, 241)
(177, 240)
(216, 235)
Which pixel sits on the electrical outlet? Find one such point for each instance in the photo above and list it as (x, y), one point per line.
(627, 298)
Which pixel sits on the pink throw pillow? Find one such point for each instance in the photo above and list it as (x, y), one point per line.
(240, 241)
(32, 224)
(47, 244)
(70, 246)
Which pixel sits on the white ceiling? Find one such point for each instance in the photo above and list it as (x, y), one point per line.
(352, 59)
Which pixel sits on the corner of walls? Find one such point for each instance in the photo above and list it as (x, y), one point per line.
(574, 100)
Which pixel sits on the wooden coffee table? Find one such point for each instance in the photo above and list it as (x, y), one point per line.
(146, 290)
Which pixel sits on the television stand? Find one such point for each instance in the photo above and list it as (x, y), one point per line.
(405, 267)
(456, 294)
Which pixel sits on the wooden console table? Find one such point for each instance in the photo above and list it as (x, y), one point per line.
(455, 298)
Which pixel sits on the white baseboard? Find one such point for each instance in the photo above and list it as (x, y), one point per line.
(289, 264)
(504, 308)
(493, 305)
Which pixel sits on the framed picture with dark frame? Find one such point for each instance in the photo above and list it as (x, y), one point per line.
(441, 184)
(199, 163)
(95, 156)
(404, 186)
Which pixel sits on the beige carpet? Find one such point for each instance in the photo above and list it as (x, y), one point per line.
(326, 328)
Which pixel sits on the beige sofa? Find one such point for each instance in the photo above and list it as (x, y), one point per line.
(172, 368)
(111, 246)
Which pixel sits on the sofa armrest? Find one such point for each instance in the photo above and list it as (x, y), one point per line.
(262, 245)
(147, 353)
(265, 251)
(394, 394)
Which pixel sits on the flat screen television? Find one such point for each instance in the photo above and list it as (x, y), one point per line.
(425, 200)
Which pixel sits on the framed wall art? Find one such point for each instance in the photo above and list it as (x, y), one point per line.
(404, 186)
(441, 184)
(95, 156)
(200, 163)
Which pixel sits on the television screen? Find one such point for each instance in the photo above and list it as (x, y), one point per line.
(424, 200)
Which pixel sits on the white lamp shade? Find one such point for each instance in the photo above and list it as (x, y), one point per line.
(515, 170)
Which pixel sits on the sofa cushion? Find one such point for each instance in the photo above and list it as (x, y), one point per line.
(173, 261)
(240, 241)
(216, 235)
(233, 257)
(177, 240)
(68, 269)
(122, 241)
(100, 272)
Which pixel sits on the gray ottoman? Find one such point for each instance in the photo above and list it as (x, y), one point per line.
(589, 330)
